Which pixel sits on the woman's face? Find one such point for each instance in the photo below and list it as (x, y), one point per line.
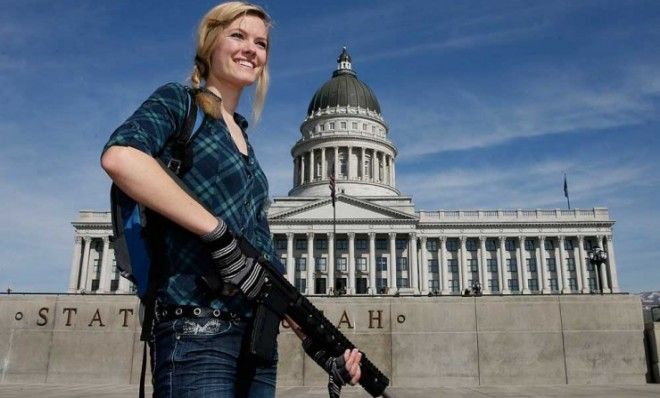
(240, 52)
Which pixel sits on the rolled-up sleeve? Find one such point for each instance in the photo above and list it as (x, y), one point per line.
(154, 122)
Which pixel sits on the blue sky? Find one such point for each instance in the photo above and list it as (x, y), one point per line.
(488, 102)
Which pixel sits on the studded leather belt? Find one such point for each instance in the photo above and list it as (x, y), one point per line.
(169, 312)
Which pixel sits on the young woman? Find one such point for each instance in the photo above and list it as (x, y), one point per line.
(197, 336)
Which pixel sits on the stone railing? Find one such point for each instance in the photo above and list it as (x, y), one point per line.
(92, 217)
(523, 215)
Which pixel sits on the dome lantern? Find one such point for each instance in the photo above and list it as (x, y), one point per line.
(343, 63)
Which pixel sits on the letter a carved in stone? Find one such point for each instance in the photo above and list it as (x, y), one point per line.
(97, 318)
(344, 319)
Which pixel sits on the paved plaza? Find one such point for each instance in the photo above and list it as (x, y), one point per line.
(122, 391)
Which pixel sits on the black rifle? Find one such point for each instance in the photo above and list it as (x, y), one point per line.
(279, 297)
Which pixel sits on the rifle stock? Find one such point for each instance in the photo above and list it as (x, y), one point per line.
(281, 297)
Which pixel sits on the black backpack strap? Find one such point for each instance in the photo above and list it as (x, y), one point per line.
(182, 155)
(143, 371)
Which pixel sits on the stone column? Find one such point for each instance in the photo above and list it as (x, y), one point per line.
(545, 280)
(290, 261)
(85, 264)
(560, 272)
(603, 269)
(504, 286)
(390, 170)
(372, 262)
(522, 266)
(386, 170)
(393, 173)
(90, 267)
(310, 263)
(124, 285)
(578, 272)
(582, 265)
(377, 166)
(413, 262)
(462, 265)
(296, 178)
(324, 169)
(392, 282)
(336, 161)
(379, 159)
(302, 169)
(442, 264)
(562, 264)
(484, 269)
(390, 176)
(424, 283)
(106, 264)
(331, 260)
(348, 162)
(374, 173)
(351, 263)
(611, 262)
(74, 273)
(312, 173)
(361, 173)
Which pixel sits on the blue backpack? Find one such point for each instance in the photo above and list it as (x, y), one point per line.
(135, 228)
(134, 250)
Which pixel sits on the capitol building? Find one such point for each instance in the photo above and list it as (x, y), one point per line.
(380, 244)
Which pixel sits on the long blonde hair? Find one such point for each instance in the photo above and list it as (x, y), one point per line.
(213, 23)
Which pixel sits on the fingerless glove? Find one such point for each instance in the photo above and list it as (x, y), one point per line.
(232, 265)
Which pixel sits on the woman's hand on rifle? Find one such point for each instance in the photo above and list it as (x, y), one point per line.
(351, 357)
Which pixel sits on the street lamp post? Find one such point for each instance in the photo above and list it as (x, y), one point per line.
(597, 257)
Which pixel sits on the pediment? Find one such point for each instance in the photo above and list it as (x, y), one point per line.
(347, 208)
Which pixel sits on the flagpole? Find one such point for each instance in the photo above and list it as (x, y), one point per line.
(568, 199)
(333, 196)
(334, 234)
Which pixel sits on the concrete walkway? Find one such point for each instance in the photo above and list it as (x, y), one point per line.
(114, 391)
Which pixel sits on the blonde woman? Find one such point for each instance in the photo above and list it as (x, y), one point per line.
(197, 335)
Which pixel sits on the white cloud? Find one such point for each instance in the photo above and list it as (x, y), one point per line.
(534, 185)
(543, 105)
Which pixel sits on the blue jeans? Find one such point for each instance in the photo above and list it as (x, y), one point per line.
(201, 358)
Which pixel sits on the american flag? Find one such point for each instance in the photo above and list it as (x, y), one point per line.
(332, 186)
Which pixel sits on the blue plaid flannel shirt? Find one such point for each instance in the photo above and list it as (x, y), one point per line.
(233, 186)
